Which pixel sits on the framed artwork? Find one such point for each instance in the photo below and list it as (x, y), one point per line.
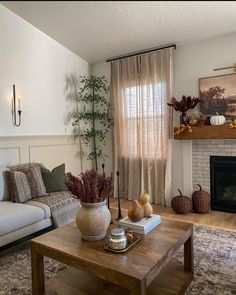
(218, 95)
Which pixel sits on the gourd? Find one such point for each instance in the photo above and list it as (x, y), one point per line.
(201, 201)
(135, 211)
(217, 120)
(193, 120)
(181, 204)
(145, 203)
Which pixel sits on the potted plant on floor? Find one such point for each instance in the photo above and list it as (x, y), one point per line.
(94, 114)
(92, 189)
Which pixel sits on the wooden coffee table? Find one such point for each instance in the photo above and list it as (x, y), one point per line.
(144, 269)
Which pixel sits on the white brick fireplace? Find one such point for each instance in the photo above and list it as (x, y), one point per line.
(201, 152)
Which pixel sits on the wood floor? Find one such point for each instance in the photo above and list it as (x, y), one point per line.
(216, 219)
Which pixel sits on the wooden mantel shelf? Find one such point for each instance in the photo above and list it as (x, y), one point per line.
(208, 132)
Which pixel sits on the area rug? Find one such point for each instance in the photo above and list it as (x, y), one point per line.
(214, 261)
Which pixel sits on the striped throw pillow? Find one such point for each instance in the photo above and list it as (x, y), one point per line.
(34, 177)
(18, 186)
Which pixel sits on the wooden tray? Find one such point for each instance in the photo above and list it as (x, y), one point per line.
(137, 238)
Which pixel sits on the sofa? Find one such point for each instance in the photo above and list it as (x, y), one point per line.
(21, 219)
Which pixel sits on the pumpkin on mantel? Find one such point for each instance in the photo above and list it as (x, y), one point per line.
(201, 201)
(181, 204)
(217, 119)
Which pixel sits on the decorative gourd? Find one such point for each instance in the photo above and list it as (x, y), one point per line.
(193, 120)
(144, 198)
(145, 203)
(217, 120)
(135, 211)
(181, 204)
(201, 201)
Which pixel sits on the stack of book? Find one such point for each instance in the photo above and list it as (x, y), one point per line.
(143, 226)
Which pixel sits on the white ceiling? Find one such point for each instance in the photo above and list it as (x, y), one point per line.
(96, 30)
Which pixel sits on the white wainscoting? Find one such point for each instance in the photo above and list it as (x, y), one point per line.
(48, 150)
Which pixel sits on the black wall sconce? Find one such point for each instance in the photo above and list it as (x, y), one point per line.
(14, 109)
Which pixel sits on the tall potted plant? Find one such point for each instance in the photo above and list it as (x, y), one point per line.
(94, 114)
(92, 188)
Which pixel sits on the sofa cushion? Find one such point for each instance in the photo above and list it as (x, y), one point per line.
(34, 177)
(35, 180)
(14, 216)
(43, 206)
(55, 180)
(18, 186)
(4, 192)
(24, 232)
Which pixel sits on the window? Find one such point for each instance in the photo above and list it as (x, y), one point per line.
(143, 114)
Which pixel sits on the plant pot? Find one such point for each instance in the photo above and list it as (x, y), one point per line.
(93, 220)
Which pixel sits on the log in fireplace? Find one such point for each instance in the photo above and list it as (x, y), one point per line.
(223, 183)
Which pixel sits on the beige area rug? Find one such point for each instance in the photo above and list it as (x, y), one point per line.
(215, 265)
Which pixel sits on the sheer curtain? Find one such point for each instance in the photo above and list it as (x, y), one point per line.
(141, 87)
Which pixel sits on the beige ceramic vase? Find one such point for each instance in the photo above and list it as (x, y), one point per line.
(93, 220)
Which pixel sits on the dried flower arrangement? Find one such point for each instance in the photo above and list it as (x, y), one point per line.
(90, 186)
(181, 128)
(186, 103)
(232, 124)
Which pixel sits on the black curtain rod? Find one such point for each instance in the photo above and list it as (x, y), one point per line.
(141, 52)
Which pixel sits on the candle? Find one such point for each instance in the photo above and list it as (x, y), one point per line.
(118, 192)
(19, 102)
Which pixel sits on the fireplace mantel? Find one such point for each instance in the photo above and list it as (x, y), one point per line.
(208, 132)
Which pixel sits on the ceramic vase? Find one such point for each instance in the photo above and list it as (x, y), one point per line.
(93, 220)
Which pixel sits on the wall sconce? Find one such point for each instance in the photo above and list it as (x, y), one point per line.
(14, 109)
(227, 67)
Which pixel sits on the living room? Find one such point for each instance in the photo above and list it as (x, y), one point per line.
(176, 49)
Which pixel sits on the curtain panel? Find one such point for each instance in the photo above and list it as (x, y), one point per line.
(141, 86)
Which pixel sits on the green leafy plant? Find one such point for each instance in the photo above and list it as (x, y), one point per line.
(95, 113)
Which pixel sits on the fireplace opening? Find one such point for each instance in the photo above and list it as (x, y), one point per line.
(223, 183)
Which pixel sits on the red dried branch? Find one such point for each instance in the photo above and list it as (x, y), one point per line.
(90, 186)
(186, 103)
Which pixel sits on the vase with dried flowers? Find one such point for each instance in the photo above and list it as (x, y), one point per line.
(92, 189)
(186, 103)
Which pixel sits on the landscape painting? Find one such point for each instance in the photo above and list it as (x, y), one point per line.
(218, 95)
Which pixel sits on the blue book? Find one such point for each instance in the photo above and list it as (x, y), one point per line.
(143, 226)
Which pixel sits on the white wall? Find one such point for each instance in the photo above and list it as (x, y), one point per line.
(38, 66)
(50, 150)
(191, 62)
(194, 61)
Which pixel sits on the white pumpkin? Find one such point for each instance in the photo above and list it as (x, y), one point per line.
(217, 120)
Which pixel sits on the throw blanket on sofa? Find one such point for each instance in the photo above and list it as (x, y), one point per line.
(63, 205)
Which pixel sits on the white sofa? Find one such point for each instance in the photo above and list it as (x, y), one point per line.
(19, 220)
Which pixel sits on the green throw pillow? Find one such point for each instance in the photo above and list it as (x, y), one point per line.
(54, 181)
